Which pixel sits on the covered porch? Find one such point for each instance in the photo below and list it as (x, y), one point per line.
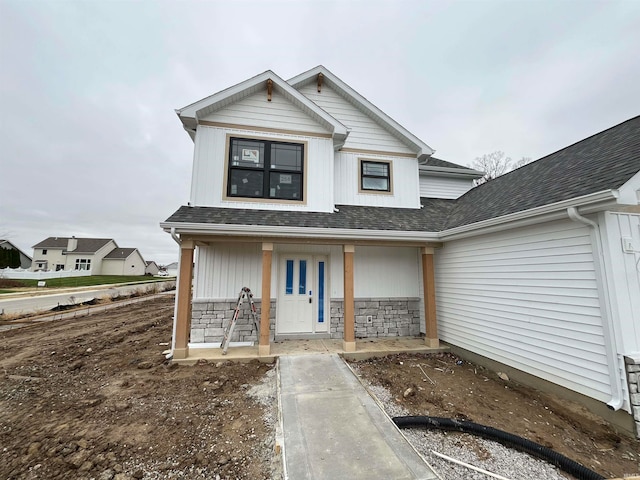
(267, 349)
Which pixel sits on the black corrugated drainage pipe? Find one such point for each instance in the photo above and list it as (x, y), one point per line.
(513, 441)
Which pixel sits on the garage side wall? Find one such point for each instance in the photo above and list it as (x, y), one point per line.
(527, 298)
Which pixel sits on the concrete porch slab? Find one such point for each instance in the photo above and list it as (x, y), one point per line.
(365, 348)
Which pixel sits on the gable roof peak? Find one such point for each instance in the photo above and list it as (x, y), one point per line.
(191, 114)
(423, 150)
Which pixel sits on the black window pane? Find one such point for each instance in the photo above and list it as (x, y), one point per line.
(247, 153)
(377, 169)
(246, 183)
(285, 185)
(286, 157)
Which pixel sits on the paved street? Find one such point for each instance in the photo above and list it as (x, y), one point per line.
(17, 304)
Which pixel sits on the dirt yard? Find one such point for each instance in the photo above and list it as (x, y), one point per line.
(442, 385)
(93, 397)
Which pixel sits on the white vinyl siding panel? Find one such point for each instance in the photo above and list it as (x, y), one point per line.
(222, 270)
(623, 275)
(207, 186)
(527, 298)
(386, 272)
(443, 187)
(256, 111)
(365, 132)
(404, 182)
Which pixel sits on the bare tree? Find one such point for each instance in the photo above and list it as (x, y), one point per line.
(495, 164)
(492, 164)
(521, 163)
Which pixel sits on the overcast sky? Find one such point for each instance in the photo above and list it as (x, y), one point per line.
(90, 144)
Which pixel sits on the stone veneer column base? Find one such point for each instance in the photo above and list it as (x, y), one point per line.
(633, 380)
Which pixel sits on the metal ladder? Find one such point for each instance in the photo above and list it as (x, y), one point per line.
(228, 331)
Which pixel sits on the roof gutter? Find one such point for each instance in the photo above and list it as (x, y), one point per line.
(617, 396)
(553, 211)
(298, 232)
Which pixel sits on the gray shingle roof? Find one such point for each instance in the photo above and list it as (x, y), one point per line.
(85, 245)
(603, 161)
(119, 253)
(430, 218)
(436, 162)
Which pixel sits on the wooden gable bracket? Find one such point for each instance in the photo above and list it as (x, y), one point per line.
(320, 78)
(269, 89)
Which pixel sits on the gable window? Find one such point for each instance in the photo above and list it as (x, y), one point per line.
(375, 176)
(83, 264)
(265, 169)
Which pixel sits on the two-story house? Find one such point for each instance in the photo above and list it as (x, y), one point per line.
(344, 225)
(101, 256)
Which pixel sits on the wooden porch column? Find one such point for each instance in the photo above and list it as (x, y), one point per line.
(349, 342)
(429, 286)
(183, 310)
(264, 345)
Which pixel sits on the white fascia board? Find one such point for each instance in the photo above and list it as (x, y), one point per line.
(554, 211)
(450, 172)
(366, 106)
(189, 115)
(630, 191)
(298, 232)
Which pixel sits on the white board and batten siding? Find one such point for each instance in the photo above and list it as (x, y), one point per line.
(386, 272)
(621, 244)
(365, 133)
(528, 298)
(207, 186)
(404, 178)
(379, 272)
(443, 187)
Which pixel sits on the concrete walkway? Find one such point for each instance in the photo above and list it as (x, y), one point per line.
(333, 429)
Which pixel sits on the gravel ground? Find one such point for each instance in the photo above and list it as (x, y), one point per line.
(485, 454)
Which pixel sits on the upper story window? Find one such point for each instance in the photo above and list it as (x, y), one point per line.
(44, 251)
(265, 169)
(375, 176)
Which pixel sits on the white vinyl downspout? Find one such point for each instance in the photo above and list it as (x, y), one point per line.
(617, 398)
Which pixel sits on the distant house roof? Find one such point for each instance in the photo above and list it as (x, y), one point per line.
(119, 254)
(151, 262)
(7, 244)
(85, 245)
(604, 161)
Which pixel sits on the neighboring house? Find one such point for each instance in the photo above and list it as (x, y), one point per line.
(172, 269)
(316, 200)
(101, 256)
(123, 261)
(24, 260)
(151, 268)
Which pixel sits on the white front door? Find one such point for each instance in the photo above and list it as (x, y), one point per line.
(302, 295)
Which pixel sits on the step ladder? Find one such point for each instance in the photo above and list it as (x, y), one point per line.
(228, 331)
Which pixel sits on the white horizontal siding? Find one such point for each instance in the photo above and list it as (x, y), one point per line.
(386, 272)
(207, 186)
(443, 187)
(256, 111)
(365, 132)
(527, 298)
(404, 176)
